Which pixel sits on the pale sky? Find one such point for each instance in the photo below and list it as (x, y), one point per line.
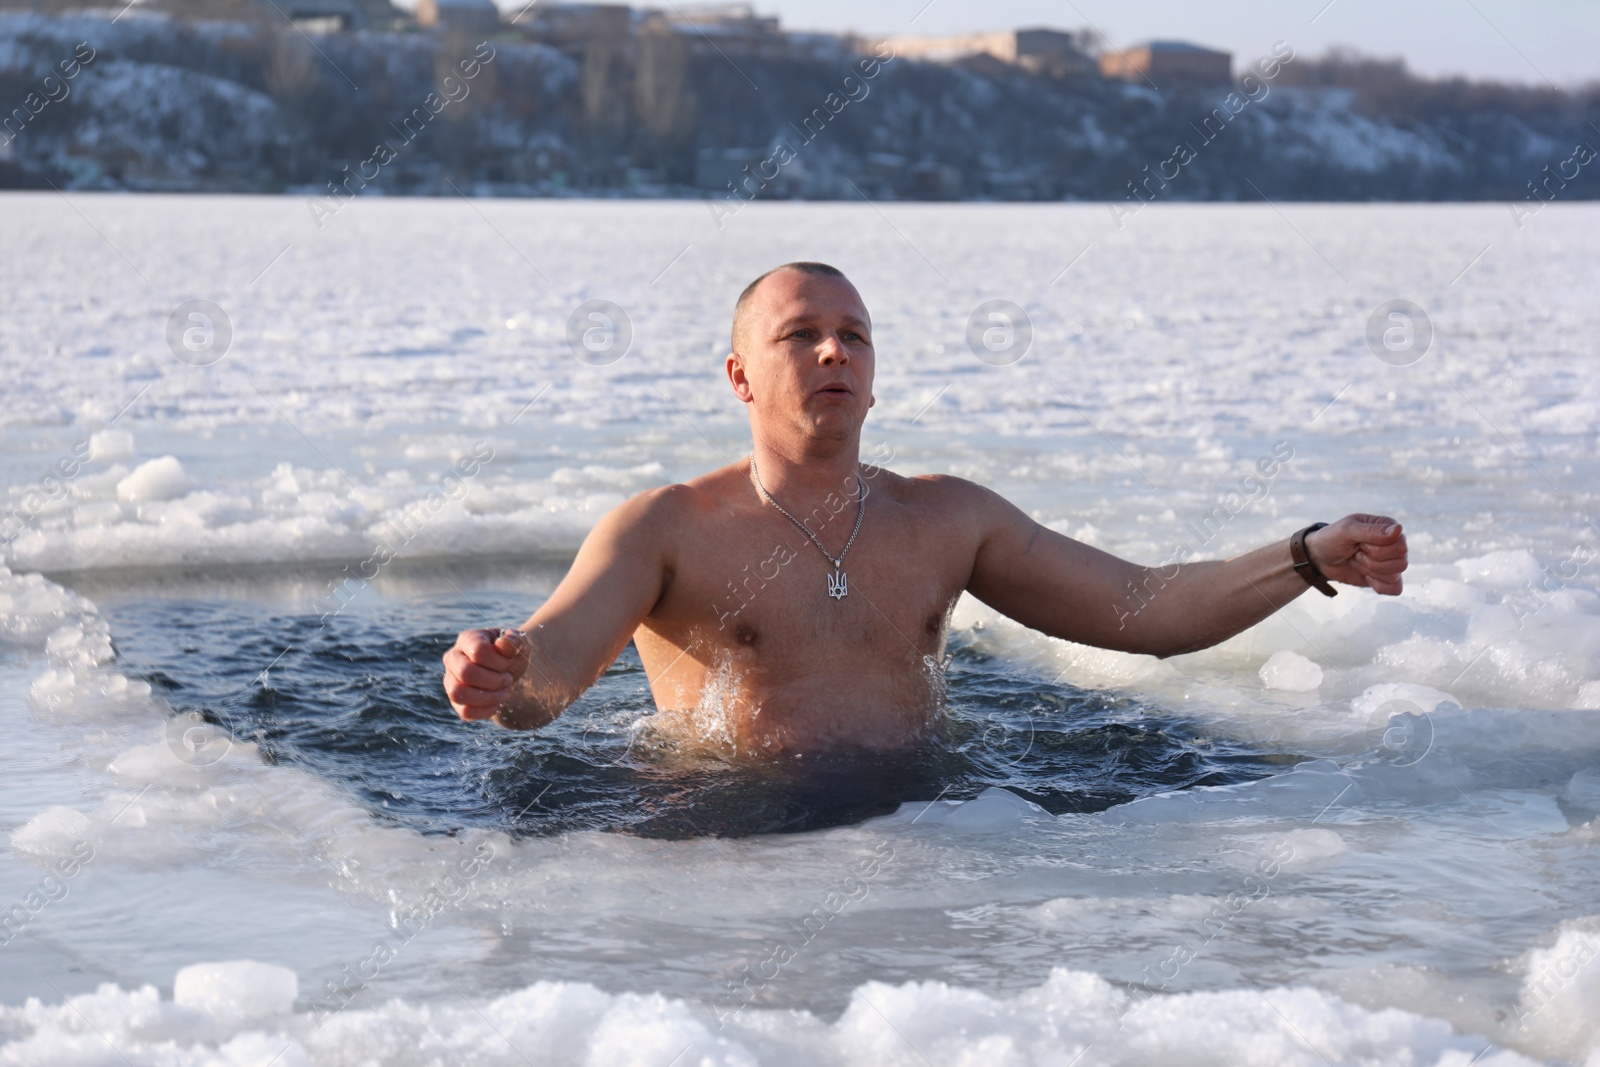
(1505, 40)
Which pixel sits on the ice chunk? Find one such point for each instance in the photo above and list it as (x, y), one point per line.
(253, 1046)
(1503, 570)
(110, 444)
(1581, 794)
(236, 991)
(32, 607)
(993, 809)
(1444, 594)
(53, 833)
(653, 1029)
(1313, 784)
(1073, 1012)
(157, 479)
(1291, 671)
(1561, 992)
(164, 764)
(1311, 849)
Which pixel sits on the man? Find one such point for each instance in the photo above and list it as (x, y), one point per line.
(797, 600)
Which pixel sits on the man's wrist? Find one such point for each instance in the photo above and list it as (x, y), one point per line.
(1304, 565)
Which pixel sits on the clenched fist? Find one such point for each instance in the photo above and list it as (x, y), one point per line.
(1365, 550)
(482, 668)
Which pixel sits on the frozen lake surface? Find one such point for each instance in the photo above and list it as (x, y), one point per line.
(1361, 832)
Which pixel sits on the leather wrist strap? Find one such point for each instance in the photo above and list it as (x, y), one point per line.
(1302, 561)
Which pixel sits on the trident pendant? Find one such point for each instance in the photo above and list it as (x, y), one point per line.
(838, 585)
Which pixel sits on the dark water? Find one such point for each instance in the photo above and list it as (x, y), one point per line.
(356, 699)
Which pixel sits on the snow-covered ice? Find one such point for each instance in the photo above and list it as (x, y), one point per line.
(1421, 889)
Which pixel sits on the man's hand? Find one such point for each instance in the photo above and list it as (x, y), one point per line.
(618, 575)
(1365, 550)
(481, 669)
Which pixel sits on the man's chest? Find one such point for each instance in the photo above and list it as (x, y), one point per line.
(756, 582)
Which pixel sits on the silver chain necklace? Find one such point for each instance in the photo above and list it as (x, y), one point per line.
(838, 581)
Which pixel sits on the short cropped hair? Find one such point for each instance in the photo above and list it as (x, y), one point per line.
(803, 266)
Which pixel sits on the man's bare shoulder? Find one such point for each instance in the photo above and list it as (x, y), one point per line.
(945, 494)
(716, 488)
(668, 509)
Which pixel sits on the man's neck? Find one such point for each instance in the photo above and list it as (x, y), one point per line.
(808, 474)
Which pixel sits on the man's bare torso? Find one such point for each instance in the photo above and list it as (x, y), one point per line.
(746, 649)
(728, 601)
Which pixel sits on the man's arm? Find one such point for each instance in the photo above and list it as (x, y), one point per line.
(1068, 589)
(525, 678)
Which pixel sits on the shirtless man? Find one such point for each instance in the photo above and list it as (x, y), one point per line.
(751, 636)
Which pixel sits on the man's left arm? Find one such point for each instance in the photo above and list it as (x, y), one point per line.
(1071, 590)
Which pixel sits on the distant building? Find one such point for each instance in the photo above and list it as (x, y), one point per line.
(471, 16)
(325, 16)
(574, 25)
(1166, 63)
(739, 20)
(729, 28)
(705, 28)
(307, 16)
(1044, 51)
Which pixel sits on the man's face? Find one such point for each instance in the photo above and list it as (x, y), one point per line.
(804, 356)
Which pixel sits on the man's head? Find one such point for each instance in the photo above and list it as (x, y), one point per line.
(802, 354)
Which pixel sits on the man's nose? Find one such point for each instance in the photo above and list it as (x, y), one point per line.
(832, 350)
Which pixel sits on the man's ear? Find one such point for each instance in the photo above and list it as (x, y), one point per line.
(737, 377)
(871, 400)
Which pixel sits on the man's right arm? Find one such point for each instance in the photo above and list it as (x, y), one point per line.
(525, 678)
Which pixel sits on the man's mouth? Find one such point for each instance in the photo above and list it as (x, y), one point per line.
(835, 389)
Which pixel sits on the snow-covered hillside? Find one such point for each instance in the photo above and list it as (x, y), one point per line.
(169, 104)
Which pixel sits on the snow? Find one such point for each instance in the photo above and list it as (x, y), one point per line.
(236, 992)
(1448, 735)
(1290, 670)
(1072, 1017)
(156, 479)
